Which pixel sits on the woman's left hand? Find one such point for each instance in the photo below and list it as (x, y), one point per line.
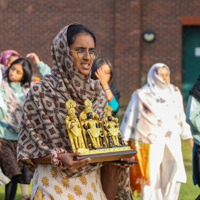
(191, 142)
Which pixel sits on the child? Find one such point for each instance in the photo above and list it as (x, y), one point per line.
(16, 84)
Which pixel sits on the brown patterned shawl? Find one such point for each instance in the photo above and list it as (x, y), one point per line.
(43, 123)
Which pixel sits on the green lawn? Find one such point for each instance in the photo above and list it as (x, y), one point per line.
(188, 190)
(18, 195)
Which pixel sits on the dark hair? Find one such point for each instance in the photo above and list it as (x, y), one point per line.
(74, 30)
(26, 68)
(98, 62)
(13, 55)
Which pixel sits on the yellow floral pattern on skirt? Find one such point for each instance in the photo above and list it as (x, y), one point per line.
(53, 185)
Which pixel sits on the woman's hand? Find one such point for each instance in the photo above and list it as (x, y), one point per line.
(34, 58)
(191, 142)
(103, 77)
(68, 161)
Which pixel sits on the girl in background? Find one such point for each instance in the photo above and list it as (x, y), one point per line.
(102, 69)
(16, 84)
(9, 56)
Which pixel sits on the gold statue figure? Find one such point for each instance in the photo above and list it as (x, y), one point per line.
(74, 128)
(91, 125)
(111, 127)
(99, 140)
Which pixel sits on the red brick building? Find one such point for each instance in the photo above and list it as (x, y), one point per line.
(30, 26)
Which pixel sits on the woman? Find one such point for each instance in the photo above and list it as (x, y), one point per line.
(154, 123)
(43, 139)
(102, 69)
(16, 85)
(192, 118)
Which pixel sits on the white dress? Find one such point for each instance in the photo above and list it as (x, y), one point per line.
(164, 133)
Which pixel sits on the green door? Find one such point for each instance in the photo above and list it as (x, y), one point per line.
(191, 58)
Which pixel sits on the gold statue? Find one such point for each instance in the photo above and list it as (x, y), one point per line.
(92, 131)
(99, 140)
(111, 127)
(74, 128)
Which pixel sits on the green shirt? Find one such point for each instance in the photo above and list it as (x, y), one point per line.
(43, 68)
(17, 90)
(193, 118)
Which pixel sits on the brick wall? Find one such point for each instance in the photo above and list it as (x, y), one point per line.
(165, 19)
(30, 26)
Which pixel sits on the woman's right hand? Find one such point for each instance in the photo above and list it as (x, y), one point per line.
(34, 57)
(69, 163)
(103, 77)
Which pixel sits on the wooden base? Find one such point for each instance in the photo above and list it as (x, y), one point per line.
(110, 156)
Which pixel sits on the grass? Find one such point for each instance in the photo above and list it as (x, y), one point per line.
(187, 192)
(18, 194)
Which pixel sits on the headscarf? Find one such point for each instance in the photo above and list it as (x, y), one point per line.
(155, 83)
(43, 123)
(5, 56)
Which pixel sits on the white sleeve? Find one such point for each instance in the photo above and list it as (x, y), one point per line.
(129, 120)
(186, 131)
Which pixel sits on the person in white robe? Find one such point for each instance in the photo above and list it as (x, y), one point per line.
(155, 117)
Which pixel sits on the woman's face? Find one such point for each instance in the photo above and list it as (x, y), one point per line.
(106, 69)
(16, 73)
(164, 73)
(83, 41)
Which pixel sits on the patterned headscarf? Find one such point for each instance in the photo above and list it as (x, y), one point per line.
(43, 123)
(5, 56)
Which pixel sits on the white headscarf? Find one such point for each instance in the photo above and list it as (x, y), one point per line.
(155, 82)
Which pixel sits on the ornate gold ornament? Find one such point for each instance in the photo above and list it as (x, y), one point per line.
(99, 140)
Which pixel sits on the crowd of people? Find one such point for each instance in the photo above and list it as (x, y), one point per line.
(34, 143)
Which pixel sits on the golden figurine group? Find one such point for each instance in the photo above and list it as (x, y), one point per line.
(100, 139)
